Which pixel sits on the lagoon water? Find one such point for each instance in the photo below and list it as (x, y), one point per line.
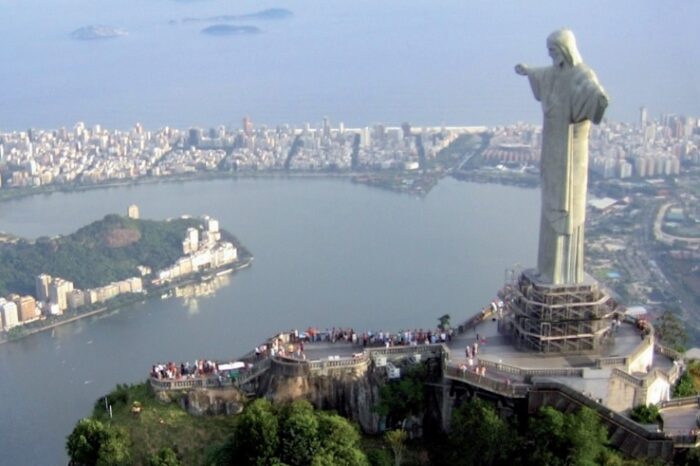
(327, 252)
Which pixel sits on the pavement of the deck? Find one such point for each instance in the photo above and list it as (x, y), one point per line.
(499, 348)
(680, 420)
(595, 382)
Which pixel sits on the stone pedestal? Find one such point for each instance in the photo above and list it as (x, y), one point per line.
(558, 319)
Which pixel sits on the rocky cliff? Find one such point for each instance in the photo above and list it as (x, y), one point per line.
(352, 394)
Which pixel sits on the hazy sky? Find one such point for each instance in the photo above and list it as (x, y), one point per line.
(360, 61)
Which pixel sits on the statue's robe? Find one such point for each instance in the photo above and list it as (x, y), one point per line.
(571, 98)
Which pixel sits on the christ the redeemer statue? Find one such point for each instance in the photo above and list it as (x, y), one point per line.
(571, 98)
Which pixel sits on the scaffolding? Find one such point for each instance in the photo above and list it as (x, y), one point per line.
(557, 319)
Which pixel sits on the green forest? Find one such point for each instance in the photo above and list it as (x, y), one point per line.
(97, 254)
(296, 434)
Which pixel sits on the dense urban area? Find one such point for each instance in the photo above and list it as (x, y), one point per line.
(643, 234)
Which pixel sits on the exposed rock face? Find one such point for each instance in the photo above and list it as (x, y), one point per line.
(120, 237)
(352, 395)
(203, 401)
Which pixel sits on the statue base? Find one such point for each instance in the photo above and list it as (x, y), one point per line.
(557, 319)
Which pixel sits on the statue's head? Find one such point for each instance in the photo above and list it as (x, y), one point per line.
(562, 48)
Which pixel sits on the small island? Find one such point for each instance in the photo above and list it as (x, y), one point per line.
(270, 13)
(97, 32)
(229, 30)
(107, 264)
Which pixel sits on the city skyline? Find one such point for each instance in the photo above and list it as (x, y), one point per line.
(91, 155)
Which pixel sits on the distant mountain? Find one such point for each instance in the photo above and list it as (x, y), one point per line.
(229, 30)
(269, 14)
(94, 32)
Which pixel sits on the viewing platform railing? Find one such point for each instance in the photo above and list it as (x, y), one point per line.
(186, 383)
(360, 360)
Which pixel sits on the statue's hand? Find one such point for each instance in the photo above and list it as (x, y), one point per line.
(521, 69)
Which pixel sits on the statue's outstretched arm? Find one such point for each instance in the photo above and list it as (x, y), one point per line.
(521, 69)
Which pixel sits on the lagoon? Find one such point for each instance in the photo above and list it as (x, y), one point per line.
(327, 253)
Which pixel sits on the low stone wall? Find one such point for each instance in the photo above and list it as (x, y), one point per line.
(676, 402)
(188, 383)
(286, 367)
(432, 350)
(485, 382)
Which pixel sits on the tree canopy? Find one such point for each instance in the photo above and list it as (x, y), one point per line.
(689, 381)
(293, 434)
(256, 435)
(557, 438)
(671, 331)
(93, 443)
(165, 457)
(478, 436)
(399, 399)
(646, 414)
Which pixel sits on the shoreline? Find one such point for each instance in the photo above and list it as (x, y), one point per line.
(12, 194)
(384, 180)
(54, 325)
(154, 292)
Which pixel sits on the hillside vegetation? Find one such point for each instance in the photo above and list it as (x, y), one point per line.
(146, 431)
(102, 252)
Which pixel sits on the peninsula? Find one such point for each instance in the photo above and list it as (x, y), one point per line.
(111, 262)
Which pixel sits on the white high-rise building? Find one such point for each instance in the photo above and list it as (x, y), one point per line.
(133, 212)
(58, 292)
(212, 225)
(643, 117)
(42, 287)
(8, 311)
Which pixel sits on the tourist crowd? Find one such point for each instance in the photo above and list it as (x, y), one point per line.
(371, 338)
(171, 370)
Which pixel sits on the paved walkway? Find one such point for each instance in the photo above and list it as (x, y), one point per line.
(680, 420)
(499, 348)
